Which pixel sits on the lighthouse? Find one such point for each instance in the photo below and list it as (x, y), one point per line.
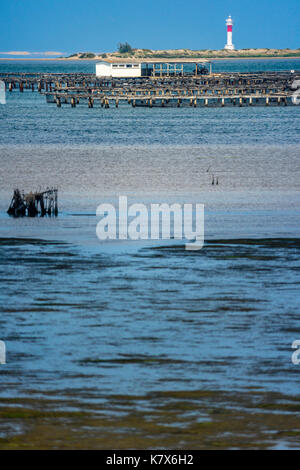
(229, 44)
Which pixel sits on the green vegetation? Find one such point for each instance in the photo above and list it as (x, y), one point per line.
(87, 55)
(125, 48)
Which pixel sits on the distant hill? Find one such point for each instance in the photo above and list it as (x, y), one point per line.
(187, 54)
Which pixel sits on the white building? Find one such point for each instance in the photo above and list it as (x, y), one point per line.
(107, 69)
(152, 69)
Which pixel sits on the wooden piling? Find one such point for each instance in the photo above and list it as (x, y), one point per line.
(242, 89)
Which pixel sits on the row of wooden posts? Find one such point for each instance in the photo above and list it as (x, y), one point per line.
(239, 88)
(53, 82)
(49, 86)
(227, 90)
(162, 102)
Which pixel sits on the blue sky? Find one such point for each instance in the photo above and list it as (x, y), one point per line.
(76, 25)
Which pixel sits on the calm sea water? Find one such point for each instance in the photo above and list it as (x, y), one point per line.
(88, 66)
(95, 319)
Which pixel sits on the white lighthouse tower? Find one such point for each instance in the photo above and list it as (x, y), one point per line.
(229, 44)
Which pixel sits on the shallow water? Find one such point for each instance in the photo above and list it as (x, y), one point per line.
(130, 321)
(92, 319)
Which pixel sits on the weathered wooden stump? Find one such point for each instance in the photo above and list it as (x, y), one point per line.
(33, 204)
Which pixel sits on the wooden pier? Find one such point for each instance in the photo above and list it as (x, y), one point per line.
(213, 90)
